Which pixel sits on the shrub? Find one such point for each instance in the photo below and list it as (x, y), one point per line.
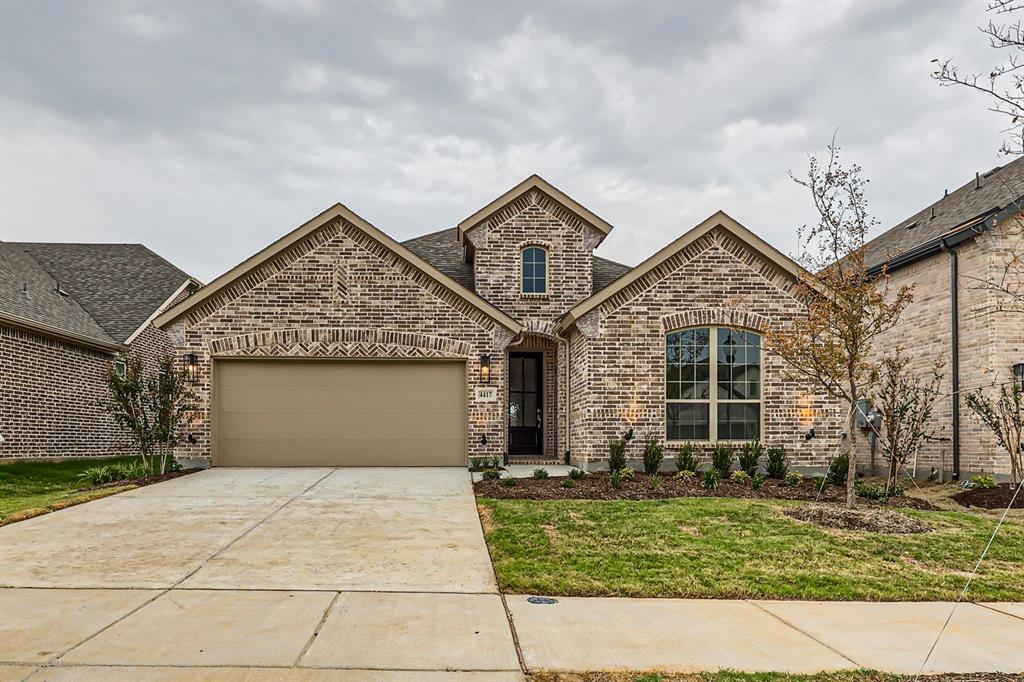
(100, 475)
(628, 474)
(508, 481)
(494, 462)
(490, 474)
(568, 483)
(131, 470)
(820, 482)
(475, 462)
(685, 474)
(838, 469)
(576, 473)
(540, 474)
(750, 456)
(739, 476)
(617, 454)
(757, 481)
(655, 481)
(983, 481)
(174, 465)
(794, 478)
(777, 466)
(711, 479)
(686, 457)
(654, 454)
(878, 491)
(721, 459)
(616, 479)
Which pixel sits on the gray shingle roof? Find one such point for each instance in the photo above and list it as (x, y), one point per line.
(607, 271)
(998, 188)
(118, 285)
(28, 291)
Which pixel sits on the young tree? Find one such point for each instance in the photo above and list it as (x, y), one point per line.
(151, 409)
(906, 400)
(1004, 416)
(831, 345)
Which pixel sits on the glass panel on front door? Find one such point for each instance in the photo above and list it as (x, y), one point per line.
(525, 404)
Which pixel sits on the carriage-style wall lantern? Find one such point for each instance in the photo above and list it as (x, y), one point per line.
(192, 368)
(485, 369)
(1018, 374)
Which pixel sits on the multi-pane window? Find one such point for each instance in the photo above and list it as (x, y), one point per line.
(535, 270)
(713, 384)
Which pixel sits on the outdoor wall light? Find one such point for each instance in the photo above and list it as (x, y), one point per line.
(629, 434)
(483, 439)
(485, 369)
(192, 368)
(810, 434)
(1018, 374)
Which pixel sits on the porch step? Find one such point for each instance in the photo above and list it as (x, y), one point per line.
(537, 461)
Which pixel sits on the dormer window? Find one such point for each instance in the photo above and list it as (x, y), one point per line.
(535, 270)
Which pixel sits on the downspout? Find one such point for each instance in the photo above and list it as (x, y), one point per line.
(954, 324)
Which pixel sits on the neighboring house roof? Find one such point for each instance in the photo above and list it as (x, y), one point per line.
(443, 250)
(311, 226)
(29, 298)
(961, 209)
(538, 183)
(719, 219)
(107, 291)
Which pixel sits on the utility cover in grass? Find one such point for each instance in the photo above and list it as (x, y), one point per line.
(874, 520)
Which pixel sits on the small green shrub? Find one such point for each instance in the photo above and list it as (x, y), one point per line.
(750, 456)
(983, 481)
(721, 459)
(540, 474)
(838, 469)
(878, 491)
(628, 474)
(757, 481)
(711, 479)
(615, 479)
(577, 473)
(686, 457)
(100, 475)
(654, 454)
(685, 474)
(776, 464)
(508, 481)
(739, 476)
(568, 483)
(131, 470)
(617, 454)
(655, 481)
(475, 462)
(494, 462)
(794, 478)
(820, 482)
(490, 474)
(173, 466)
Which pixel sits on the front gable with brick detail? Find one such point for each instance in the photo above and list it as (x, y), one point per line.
(505, 336)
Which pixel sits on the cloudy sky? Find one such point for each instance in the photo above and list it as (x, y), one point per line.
(207, 130)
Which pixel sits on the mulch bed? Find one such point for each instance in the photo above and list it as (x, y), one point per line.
(596, 486)
(874, 520)
(146, 480)
(990, 498)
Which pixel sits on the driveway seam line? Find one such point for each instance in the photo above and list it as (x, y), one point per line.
(999, 611)
(316, 631)
(802, 632)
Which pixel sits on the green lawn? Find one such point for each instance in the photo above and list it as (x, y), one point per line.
(32, 488)
(717, 547)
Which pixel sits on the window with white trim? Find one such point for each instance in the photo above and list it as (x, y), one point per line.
(535, 270)
(713, 385)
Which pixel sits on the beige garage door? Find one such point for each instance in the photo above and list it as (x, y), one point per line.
(345, 413)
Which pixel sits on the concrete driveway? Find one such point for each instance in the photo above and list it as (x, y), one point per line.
(369, 573)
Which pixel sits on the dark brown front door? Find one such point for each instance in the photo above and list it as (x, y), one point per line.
(525, 404)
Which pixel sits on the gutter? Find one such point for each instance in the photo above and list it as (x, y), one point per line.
(54, 332)
(954, 329)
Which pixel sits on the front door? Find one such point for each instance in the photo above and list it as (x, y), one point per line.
(525, 404)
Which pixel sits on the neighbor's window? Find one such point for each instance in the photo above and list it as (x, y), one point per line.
(535, 270)
(713, 384)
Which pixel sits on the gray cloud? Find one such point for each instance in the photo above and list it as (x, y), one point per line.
(206, 130)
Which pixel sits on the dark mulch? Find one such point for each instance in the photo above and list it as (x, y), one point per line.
(596, 486)
(146, 480)
(990, 498)
(874, 520)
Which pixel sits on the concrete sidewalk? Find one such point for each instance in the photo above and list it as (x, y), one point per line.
(684, 635)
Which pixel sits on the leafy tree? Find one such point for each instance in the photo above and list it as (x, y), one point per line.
(907, 401)
(1004, 416)
(831, 344)
(150, 409)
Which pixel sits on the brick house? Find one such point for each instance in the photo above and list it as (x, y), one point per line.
(68, 313)
(502, 336)
(948, 251)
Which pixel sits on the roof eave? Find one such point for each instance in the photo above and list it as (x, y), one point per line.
(62, 334)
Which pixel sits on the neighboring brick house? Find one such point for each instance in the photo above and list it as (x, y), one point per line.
(68, 313)
(948, 251)
(503, 336)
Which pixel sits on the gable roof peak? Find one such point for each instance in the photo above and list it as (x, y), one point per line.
(535, 182)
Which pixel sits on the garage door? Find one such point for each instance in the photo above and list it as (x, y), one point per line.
(348, 413)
